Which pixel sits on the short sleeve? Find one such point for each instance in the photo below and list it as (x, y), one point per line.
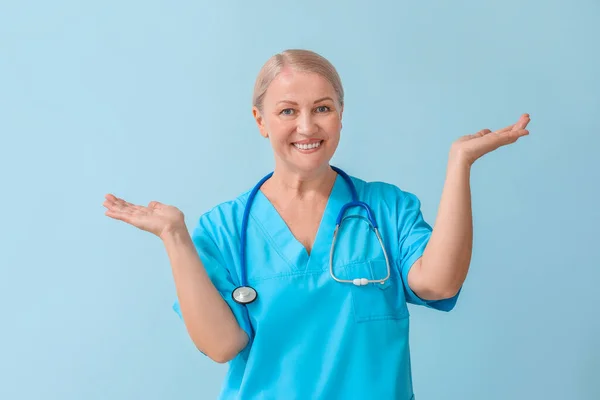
(414, 234)
(220, 276)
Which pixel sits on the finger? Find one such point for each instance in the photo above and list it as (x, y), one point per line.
(494, 140)
(482, 132)
(116, 199)
(505, 129)
(521, 124)
(123, 202)
(117, 203)
(112, 199)
(510, 136)
(118, 206)
(119, 215)
(520, 132)
(109, 203)
(475, 135)
(127, 206)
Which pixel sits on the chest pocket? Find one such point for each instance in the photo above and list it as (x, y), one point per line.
(376, 301)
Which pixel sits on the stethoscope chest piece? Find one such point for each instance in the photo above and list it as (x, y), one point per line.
(244, 294)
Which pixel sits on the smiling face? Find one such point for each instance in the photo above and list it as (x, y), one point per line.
(302, 118)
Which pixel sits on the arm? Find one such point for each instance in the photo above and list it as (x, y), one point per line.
(441, 271)
(208, 319)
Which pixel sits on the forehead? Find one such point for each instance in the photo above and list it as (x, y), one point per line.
(299, 87)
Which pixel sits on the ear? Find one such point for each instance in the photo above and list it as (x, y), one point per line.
(260, 122)
(341, 113)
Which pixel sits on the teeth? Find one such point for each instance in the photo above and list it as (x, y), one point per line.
(307, 146)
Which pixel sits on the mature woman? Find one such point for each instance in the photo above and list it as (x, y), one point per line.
(302, 283)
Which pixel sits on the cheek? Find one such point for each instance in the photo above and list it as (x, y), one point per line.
(333, 126)
(281, 129)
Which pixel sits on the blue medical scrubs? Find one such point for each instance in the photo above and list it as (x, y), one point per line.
(310, 336)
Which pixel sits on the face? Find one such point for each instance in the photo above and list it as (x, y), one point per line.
(302, 119)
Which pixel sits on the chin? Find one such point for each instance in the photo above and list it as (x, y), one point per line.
(305, 161)
(308, 167)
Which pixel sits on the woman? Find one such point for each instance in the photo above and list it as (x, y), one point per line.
(317, 325)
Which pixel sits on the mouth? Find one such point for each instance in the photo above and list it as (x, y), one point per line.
(308, 147)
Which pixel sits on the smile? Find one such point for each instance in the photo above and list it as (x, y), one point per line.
(308, 146)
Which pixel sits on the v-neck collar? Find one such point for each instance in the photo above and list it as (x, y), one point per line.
(290, 248)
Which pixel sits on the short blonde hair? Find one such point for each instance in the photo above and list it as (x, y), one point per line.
(301, 61)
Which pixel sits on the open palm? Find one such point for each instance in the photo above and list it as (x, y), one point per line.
(472, 147)
(156, 218)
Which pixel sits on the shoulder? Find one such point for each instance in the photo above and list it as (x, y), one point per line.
(378, 191)
(222, 218)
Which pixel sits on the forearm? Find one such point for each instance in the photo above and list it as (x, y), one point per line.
(446, 259)
(208, 319)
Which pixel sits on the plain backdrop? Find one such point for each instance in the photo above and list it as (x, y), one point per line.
(151, 100)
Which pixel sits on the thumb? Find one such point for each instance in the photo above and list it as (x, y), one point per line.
(154, 204)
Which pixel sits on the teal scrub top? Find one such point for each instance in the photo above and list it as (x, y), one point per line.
(310, 336)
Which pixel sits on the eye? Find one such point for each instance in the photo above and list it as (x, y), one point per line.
(287, 111)
(322, 109)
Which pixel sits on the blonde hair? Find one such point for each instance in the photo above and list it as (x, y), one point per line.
(301, 61)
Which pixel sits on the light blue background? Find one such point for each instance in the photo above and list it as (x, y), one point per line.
(151, 101)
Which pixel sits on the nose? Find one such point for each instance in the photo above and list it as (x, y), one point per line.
(306, 125)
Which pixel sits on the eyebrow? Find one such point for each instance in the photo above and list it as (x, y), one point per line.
(316, 101)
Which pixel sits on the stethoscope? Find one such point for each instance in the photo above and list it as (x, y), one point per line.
(245, 294)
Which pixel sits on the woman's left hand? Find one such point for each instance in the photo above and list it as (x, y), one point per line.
(471, 147)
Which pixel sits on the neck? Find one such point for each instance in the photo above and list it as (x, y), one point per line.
(297, 184)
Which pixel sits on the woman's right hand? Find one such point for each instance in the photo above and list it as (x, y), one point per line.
(159, 219)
